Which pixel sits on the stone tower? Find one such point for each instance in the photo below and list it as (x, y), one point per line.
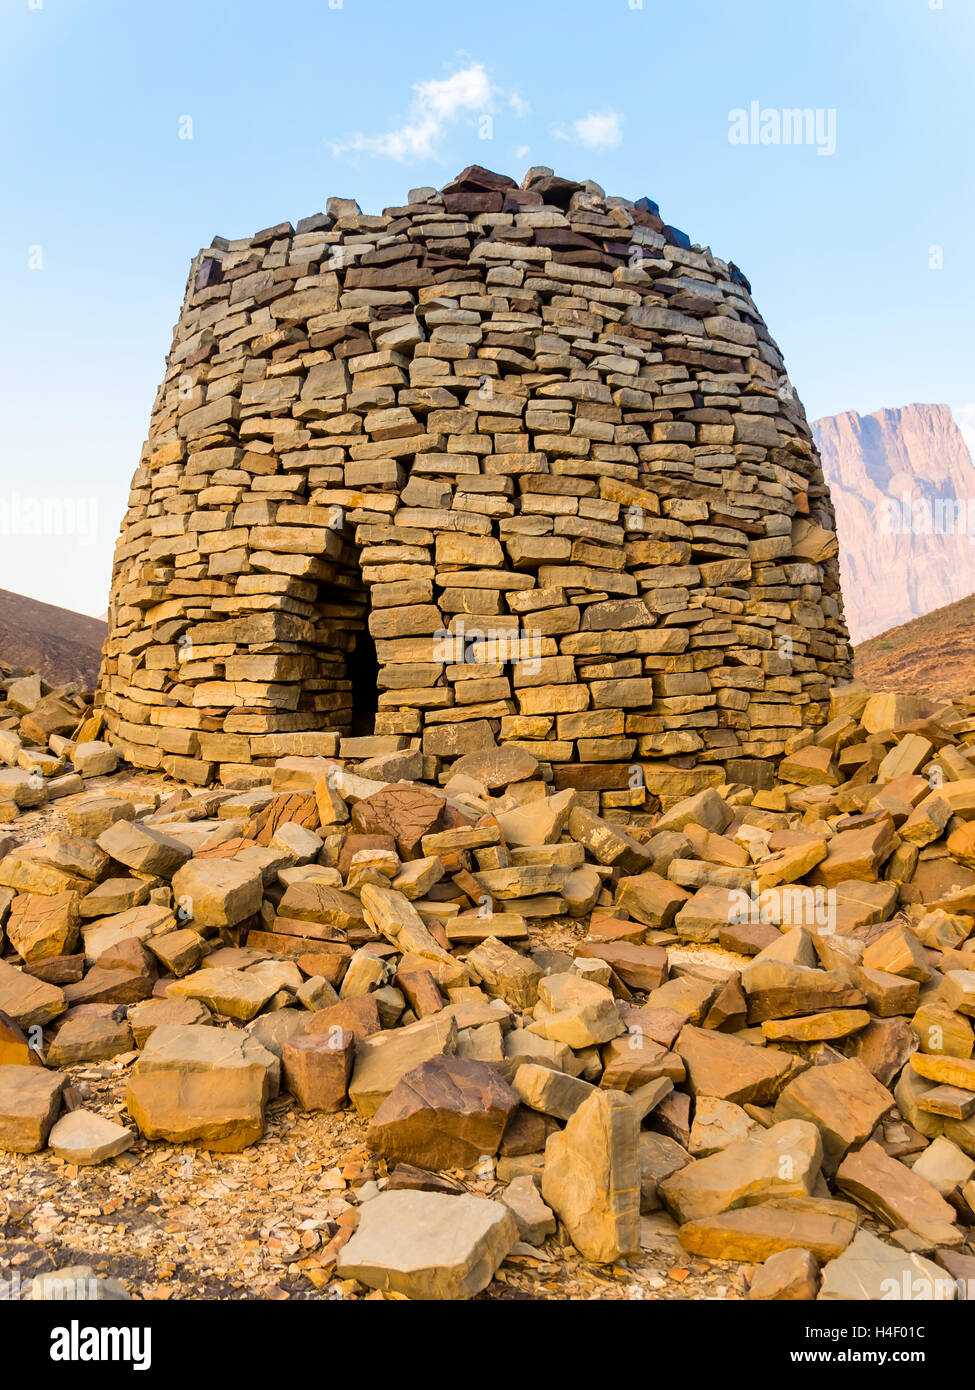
(512, 465)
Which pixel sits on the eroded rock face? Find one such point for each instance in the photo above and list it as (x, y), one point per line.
(872, 463)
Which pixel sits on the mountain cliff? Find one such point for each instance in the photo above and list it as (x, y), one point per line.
(903, 487)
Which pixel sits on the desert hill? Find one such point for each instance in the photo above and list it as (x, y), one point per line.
(59, 644)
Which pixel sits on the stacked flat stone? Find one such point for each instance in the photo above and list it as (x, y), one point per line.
(534, 442)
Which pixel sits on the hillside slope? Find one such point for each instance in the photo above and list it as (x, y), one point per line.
(934, 654)
(60, 645)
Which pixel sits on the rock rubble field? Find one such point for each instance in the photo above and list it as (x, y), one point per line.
(379, 1029)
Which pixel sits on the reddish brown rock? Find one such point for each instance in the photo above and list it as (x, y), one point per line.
(405, 812)
(640, 967)
(448, 1113)
(358, 1015)
(526, 1133)
(289, 806)
(317, 1067)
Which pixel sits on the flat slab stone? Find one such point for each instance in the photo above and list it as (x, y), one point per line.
(84, 1138)
(824, 1027)
(238, 994)
(141, 848)
(720, 1065)
(85, 1037)
(779, 989)
(496, 768)
(427, 1245)
(151, 1014)
(842, 1099)
(779, 1162)
(819, 1225)
(897, 1195)
(26, 1000)
(871, 1271)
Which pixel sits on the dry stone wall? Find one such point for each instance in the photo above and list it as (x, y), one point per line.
(504, 465)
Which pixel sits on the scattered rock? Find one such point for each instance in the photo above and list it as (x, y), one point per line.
(428, 1246)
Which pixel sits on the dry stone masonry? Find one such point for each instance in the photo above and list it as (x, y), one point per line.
(504, 465)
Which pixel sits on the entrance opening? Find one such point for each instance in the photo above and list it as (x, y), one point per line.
(362, 669)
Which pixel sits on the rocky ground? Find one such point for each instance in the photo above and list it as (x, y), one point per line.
(353, 1034)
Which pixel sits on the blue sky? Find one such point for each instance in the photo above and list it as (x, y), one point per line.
(290, 102)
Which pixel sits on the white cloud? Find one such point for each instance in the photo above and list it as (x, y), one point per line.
(965, 419)
(437, 104)
(467, 90)
(600, 130)
(522, 151)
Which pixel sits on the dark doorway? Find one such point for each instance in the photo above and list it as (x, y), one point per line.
(362, 669)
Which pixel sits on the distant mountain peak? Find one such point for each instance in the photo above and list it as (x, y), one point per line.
(903, 487)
